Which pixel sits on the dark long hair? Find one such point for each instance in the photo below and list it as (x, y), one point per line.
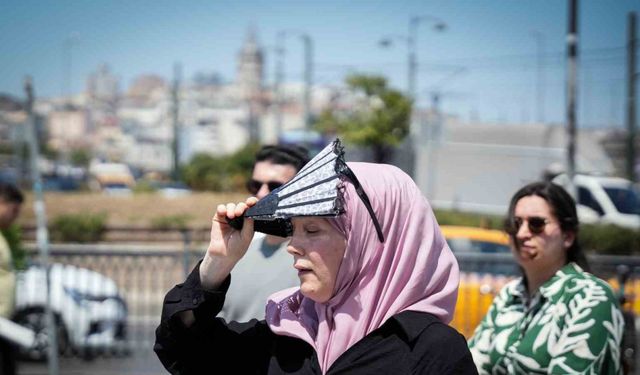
(563, 207)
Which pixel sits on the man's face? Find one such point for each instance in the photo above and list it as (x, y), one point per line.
(8, 213)
(265, 172)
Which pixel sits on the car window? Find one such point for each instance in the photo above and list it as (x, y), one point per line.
(625, 200)
(466, 245)
(585, 198)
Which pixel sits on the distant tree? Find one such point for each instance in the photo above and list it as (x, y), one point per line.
(80, 157)
(223, 173)
(380, 118)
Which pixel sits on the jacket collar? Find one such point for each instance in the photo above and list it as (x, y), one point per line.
(413, 323)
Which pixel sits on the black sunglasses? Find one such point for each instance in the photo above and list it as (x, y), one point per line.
(254, 186)
(535, 224)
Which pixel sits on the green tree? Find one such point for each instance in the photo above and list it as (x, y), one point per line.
(380, 118)
(80, 157)
(224, 173)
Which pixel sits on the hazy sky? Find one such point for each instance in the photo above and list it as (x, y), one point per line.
(484, 63)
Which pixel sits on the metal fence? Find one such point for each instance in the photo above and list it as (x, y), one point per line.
(136, 277)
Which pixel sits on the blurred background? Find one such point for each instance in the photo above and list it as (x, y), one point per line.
(138, 118)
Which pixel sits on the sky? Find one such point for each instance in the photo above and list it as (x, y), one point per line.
(485, 65)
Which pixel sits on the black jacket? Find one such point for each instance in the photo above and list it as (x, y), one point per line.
(409, 343)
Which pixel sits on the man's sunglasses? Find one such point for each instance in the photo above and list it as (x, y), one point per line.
(254, 186)
(535, 224)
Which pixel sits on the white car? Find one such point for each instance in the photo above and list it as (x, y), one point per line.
(90, 313)
(605, 200)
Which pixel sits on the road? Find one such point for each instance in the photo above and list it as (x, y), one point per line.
(141, 361)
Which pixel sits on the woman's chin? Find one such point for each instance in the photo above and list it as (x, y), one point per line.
(313, 293)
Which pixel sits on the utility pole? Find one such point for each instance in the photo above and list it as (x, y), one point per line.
(175, 107)
(433, 140)
(631, 96)
(42, 234)
(540, 75)
(280, 51)
(572, 67)
(308, 80)
(412, 58)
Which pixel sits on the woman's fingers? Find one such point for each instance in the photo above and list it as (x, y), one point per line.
(240, 209)
(231, 210)
(251, 201)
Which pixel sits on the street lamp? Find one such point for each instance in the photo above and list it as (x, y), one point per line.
(279, 78)
(308, 75)
(412, 55)
(539, 37)
(67, 46)
(417, 153)
(438, 25)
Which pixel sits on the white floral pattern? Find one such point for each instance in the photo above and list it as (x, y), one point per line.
(573, 325)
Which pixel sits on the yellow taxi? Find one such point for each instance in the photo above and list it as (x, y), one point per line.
(483, 277)
(484, 274)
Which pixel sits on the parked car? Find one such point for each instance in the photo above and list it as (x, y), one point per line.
(90, 313)
(478, 243)
(486, 266)
(606, 200)
(174, 189)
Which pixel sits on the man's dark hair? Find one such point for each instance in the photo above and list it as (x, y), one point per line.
(296, 156)
(11, 194)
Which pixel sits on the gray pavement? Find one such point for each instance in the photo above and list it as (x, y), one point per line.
(140, 363)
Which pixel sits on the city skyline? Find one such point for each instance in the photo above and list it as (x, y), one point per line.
(484, 64)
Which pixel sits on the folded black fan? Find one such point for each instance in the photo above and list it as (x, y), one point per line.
(314, 191)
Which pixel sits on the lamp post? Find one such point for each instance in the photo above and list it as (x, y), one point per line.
(539, 37)
(412, 55)
(279, 78)
(67, 46)
(308, 75)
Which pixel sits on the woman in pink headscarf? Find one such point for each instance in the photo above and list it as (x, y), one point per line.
(370, 301)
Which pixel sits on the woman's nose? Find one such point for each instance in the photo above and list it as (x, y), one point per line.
(293, 250)
(294, 247)
(263, 192)
(523, 231)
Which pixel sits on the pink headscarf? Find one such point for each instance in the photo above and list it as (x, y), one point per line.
(413, 269)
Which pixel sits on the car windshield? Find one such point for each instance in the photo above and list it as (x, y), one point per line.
(466, 245)
(625, 200)
(464, 248)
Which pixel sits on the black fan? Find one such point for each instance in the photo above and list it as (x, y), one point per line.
(314, 191)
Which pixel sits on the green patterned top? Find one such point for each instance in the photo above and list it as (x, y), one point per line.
(572, 325)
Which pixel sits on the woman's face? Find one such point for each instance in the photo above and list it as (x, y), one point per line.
(317, 248)
(539, 252)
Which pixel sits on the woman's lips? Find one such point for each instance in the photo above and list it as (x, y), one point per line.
(528, 251)
(302, 270)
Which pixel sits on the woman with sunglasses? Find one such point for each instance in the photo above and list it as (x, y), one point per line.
(378, 284)
(557, 318)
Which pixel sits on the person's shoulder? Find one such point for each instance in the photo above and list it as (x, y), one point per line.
(580, 282)
(428, 329)
(435, 346)
(578, 289)
(512, 288)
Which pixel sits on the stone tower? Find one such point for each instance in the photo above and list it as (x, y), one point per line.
(250, 68)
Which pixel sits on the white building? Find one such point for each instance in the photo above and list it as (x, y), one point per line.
(477, 167)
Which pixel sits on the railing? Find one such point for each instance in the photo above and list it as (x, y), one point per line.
(144, 273)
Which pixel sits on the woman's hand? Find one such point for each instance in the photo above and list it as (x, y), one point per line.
(227, 245)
